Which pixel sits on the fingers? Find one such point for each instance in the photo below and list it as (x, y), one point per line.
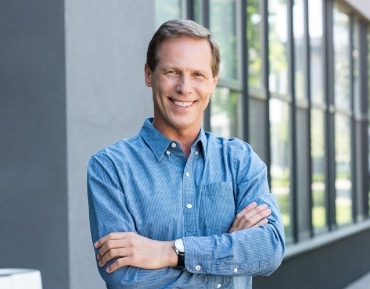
(114, 246)
(251, 216)
(111, 236)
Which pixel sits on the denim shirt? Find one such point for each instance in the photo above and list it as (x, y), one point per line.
(145, 184)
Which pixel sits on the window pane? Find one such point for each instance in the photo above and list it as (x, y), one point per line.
(257, 126)
(368, 93)
(224, 113)
(167, 10)
(277, 20)
(223, 25)
(254, 35)
(316, 50)
(356, 69)
(198, 11)
(368, 69)
(343, 183)
(303, 176)
(342, 89)
(299, 48)
(280, 158)
(318, 170)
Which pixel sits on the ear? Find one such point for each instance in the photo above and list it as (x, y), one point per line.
(148, 75)
(214, 84)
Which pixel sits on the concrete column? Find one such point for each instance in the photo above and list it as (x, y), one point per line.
(71, 81)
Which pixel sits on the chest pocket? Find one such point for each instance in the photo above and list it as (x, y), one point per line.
(217, 208)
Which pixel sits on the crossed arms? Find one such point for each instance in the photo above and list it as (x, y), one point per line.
(131, 249)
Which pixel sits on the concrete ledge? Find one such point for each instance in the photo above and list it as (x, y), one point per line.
(327, 238)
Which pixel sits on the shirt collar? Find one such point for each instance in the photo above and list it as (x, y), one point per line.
(158, 143)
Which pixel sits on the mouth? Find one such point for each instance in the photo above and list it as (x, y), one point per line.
(182, 103)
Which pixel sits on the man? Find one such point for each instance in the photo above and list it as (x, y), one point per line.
(174, 206)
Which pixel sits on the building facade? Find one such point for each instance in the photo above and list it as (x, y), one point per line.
(294, 83)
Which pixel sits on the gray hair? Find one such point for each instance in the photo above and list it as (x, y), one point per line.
(179, 28)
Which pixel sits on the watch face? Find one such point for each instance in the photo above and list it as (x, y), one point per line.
(179, 244)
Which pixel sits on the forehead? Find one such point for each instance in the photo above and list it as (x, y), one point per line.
(185, 50)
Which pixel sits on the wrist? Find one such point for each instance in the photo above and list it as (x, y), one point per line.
(180, 252)
(171, 254)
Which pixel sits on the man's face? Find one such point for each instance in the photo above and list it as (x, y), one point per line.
(182, 84)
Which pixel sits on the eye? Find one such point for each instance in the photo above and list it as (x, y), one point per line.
(198, 75)
(172, 73)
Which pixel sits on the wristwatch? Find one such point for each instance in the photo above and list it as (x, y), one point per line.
(180, 251)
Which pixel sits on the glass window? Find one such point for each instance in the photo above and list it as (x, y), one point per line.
(318, 170)
(278, 53)
(198, 11)
(356, 69)
(368, 71)
(166, 10)
(316, 51)
(303, 177)
(299, 48)
(224, 112)
(280, 159)
(257, 118)
(343, 183)
(254, 36)
(368, 93)
(342, 88)
(223, 26)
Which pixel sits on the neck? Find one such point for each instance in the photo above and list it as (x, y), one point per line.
(184, 137)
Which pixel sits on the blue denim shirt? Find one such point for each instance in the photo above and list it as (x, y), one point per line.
(145, 184)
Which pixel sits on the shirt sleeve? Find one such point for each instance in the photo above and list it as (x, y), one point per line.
(108, 213)
(254, 251)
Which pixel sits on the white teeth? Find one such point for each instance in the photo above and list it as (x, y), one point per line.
(182, 103)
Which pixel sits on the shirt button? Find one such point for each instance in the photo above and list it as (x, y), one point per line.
(235, 270)
(189, 206)
(197, 267)
(219, 285)
(168, 152)
(196, 153)
(187, 174)
(173, 145)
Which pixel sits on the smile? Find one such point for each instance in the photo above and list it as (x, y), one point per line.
(183, 103)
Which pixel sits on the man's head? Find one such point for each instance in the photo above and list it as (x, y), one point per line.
(181, 28)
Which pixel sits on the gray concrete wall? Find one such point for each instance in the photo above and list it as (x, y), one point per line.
(329, 267)
(107, 100)
(33, 168)
(71, 81)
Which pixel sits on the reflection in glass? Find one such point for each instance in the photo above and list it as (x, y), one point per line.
(343, 183)
(318, 170)
(257, 121)
(254, 36)
(298, 27)
(223, 26)
(166, 10)
(368, 72)
(278, 53)
(356, 68)
(280, 158)
(224, 113)
(342, 89)
(368, 94)
(368, 89)
(198, 11)
(316, 50)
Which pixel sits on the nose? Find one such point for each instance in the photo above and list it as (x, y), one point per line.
(183, 85)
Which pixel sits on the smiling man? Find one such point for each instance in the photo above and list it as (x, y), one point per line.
(175, 206)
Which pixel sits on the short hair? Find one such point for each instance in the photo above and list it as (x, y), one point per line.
(181, 28)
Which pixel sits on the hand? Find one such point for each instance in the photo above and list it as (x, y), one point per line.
(251, 216)
(131, 249)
